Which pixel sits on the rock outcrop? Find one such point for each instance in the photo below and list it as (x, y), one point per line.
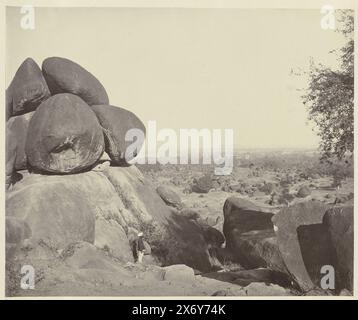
(100, 208)
(339, 223)
(64, 136)
(170, 197)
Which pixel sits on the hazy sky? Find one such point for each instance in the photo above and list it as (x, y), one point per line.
(189, 68)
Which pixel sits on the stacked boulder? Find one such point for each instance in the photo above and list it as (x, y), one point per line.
(60, 120)
(203, 184)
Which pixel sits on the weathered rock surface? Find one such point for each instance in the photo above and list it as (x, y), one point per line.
(245, 277)
(27, 89)
(179, 272)
(259, 248)
(16, 133)
(111, 237)
(213, 236)
(189, 213)
(242, 215)
(304, 242)
(64, 136)
(303, 192)
(81, 269)
(117, 123)
(203, 184)
(262, 289)
(170, 236)
(17, 230)
(170, 197)
(100, 208)
(339, 222)
(65, 76)
(250, 236)
(53, 208)
(10, 160)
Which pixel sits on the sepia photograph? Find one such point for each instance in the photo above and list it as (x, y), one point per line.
(178, 151)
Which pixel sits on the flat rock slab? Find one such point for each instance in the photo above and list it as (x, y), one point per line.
(303, 241)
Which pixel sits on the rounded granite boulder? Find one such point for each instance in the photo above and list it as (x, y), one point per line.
(65, 76)
(27, 89)
(117, 122)
(64, 136)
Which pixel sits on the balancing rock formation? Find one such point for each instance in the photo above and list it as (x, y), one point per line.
(63, 198)
(73, 124)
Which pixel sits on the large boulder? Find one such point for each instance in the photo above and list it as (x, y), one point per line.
(64, 136)
(339, 222)
(263, 289)
(259, 249)
(304, 242)
(242, 215)
(65, 76)
(27, 89)
(16, 133)
(185, 242)
(303, 192)
(249, 234)
(203, 184)
(245, 277)
(170, 197)
(116, 123)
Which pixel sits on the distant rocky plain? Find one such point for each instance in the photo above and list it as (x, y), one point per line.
(74, 206)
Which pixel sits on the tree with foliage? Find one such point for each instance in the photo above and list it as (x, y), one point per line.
(330, 94)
